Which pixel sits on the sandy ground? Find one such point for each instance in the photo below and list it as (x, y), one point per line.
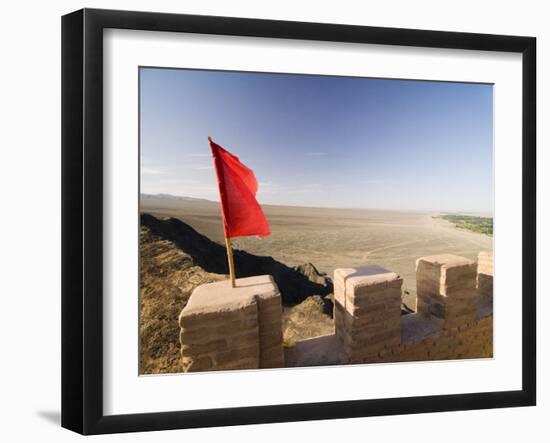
(333, 238)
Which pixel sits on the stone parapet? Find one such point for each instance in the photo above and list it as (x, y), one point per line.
(446, 289)
(470, 340)
(367, 310)
(485, 275)
(225, 328)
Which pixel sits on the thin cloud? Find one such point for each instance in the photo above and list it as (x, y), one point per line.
(269, 188)
(315, 154)
(382, 181)
(150, 171)
(175, 181)
(306, 189)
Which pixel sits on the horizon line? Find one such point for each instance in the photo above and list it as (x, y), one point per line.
(439, 211)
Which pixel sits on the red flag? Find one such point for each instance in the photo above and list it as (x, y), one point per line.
(242, 215)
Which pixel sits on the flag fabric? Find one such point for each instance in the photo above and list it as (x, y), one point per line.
(241, 212)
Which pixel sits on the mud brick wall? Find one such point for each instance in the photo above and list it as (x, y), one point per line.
(225, 328)
(485, 274)
(452, 322)
(446, 289)
(270, 330)
(470, 340)
(367, 310)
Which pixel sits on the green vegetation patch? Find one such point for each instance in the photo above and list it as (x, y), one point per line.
(482, 225)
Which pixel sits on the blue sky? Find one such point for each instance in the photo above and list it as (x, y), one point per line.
(319, 140)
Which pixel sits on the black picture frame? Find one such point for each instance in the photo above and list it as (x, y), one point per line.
(82, 218)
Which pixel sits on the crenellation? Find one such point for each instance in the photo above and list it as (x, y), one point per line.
(367, 310)
(452, 320)
(485, 275)
(232, 328)
(241, 328)
(446, 289)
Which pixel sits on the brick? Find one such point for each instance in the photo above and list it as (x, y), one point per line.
(197, 364)
(272, 358)
(195, 349)
(271, 304)
(245, 339)
(226, 358)
(218, 318)
(485, 263)
(391, 336)
(271, 339)
(245, 363)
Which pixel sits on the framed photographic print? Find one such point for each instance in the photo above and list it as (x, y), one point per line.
(256, 209)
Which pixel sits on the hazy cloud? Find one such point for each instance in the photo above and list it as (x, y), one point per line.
(315, 154)
(269, 184)
(375, 181)
(151, 171)
(174, 181)
(305, 189)
(269, 188)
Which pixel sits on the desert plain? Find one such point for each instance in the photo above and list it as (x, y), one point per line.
(331, 238)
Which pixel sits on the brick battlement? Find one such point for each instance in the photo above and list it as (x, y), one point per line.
(232, 328)
(453, 320)
(240, 328)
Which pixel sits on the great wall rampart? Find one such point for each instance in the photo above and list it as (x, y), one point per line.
(240, 328)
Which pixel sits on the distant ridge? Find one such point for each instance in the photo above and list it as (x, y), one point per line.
(174, 197)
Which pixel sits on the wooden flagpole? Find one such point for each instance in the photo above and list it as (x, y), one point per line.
(230, 261)
(227, 243)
